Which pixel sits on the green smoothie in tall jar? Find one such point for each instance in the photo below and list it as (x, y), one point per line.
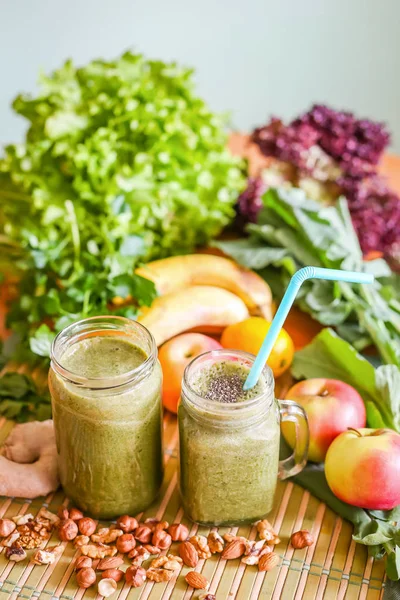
(229, 440)
(105, 384)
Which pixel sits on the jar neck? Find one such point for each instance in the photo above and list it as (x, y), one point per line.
(115, 326)
(226, 414)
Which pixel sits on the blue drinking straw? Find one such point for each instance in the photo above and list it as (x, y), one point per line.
(285, 306)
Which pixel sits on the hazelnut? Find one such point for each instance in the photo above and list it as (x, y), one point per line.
(126, 543)
(161, 539)
(151, 523)
(161, 526)
(85, 578)
(87, 526)
(6, 527)
(67, 530)
(83, 562)
(144, 534)
(107, 587)
(178, 532)
(63, 513)
(301, 539)
(75, 514)
(115, 574)
(135, 576)
(127, 523)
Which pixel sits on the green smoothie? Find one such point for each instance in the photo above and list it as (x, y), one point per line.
(228, 466)
(108, 440)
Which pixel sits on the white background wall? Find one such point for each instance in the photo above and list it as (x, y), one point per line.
(252, 57)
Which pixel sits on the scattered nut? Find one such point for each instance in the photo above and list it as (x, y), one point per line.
(152, 550)
(115, 574)
(81, 540)
(207, 597)
(268, 561)
(301, 539)
(11, 539)
(6, 527)
(143, 534)
(49, 516)
(67, 530)
(161, 539)
(63, 513)
(161, 526)
(126, 543)
(234, 549)
(107, 587)
(173, 564)
(110, 563)
(87, 526)
(150, 523)
(215, 542)
(42, 557)
(98, 550)
(15, 553)
(75, 514)
(83, 562)
(189, 554)
(22, 519)
(139, 555)
(201, 545)
(197, 580)
(85, 578)
(178, 532)
(127, 524)
(135, 576)
(252, 559)
(159, 575)
(106, 535)
(265, 530)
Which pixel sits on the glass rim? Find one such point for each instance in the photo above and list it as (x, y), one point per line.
(226, 408)
(75, 331)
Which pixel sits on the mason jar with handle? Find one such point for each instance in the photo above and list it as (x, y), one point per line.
(229, 445)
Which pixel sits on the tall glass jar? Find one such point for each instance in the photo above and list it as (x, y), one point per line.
(105, 383)
(229, 451)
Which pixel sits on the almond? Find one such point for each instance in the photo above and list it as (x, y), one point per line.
(268, 561)
(234, 549)
(188, 554)
(111, 562)
(197, 580)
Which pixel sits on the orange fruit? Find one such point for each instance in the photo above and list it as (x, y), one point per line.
(248, 335)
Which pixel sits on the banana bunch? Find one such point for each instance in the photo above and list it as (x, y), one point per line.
(202, 292)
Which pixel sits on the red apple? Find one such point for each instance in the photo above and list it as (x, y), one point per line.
(331, 406)
(174, 355)
(362, 468)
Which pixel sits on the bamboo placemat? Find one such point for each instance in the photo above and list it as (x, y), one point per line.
(334, 567)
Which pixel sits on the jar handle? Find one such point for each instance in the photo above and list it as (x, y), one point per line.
(293, 464)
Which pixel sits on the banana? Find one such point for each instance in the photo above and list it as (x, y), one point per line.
(208, 307)
(178, 272)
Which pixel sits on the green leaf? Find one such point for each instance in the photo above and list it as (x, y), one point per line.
(393, 564)
(40, 342)
(374, 533)
(251, 253)
(14, 385)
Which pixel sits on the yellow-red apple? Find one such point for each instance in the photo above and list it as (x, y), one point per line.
(331, 406)
(362, 468)
(174, 355)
